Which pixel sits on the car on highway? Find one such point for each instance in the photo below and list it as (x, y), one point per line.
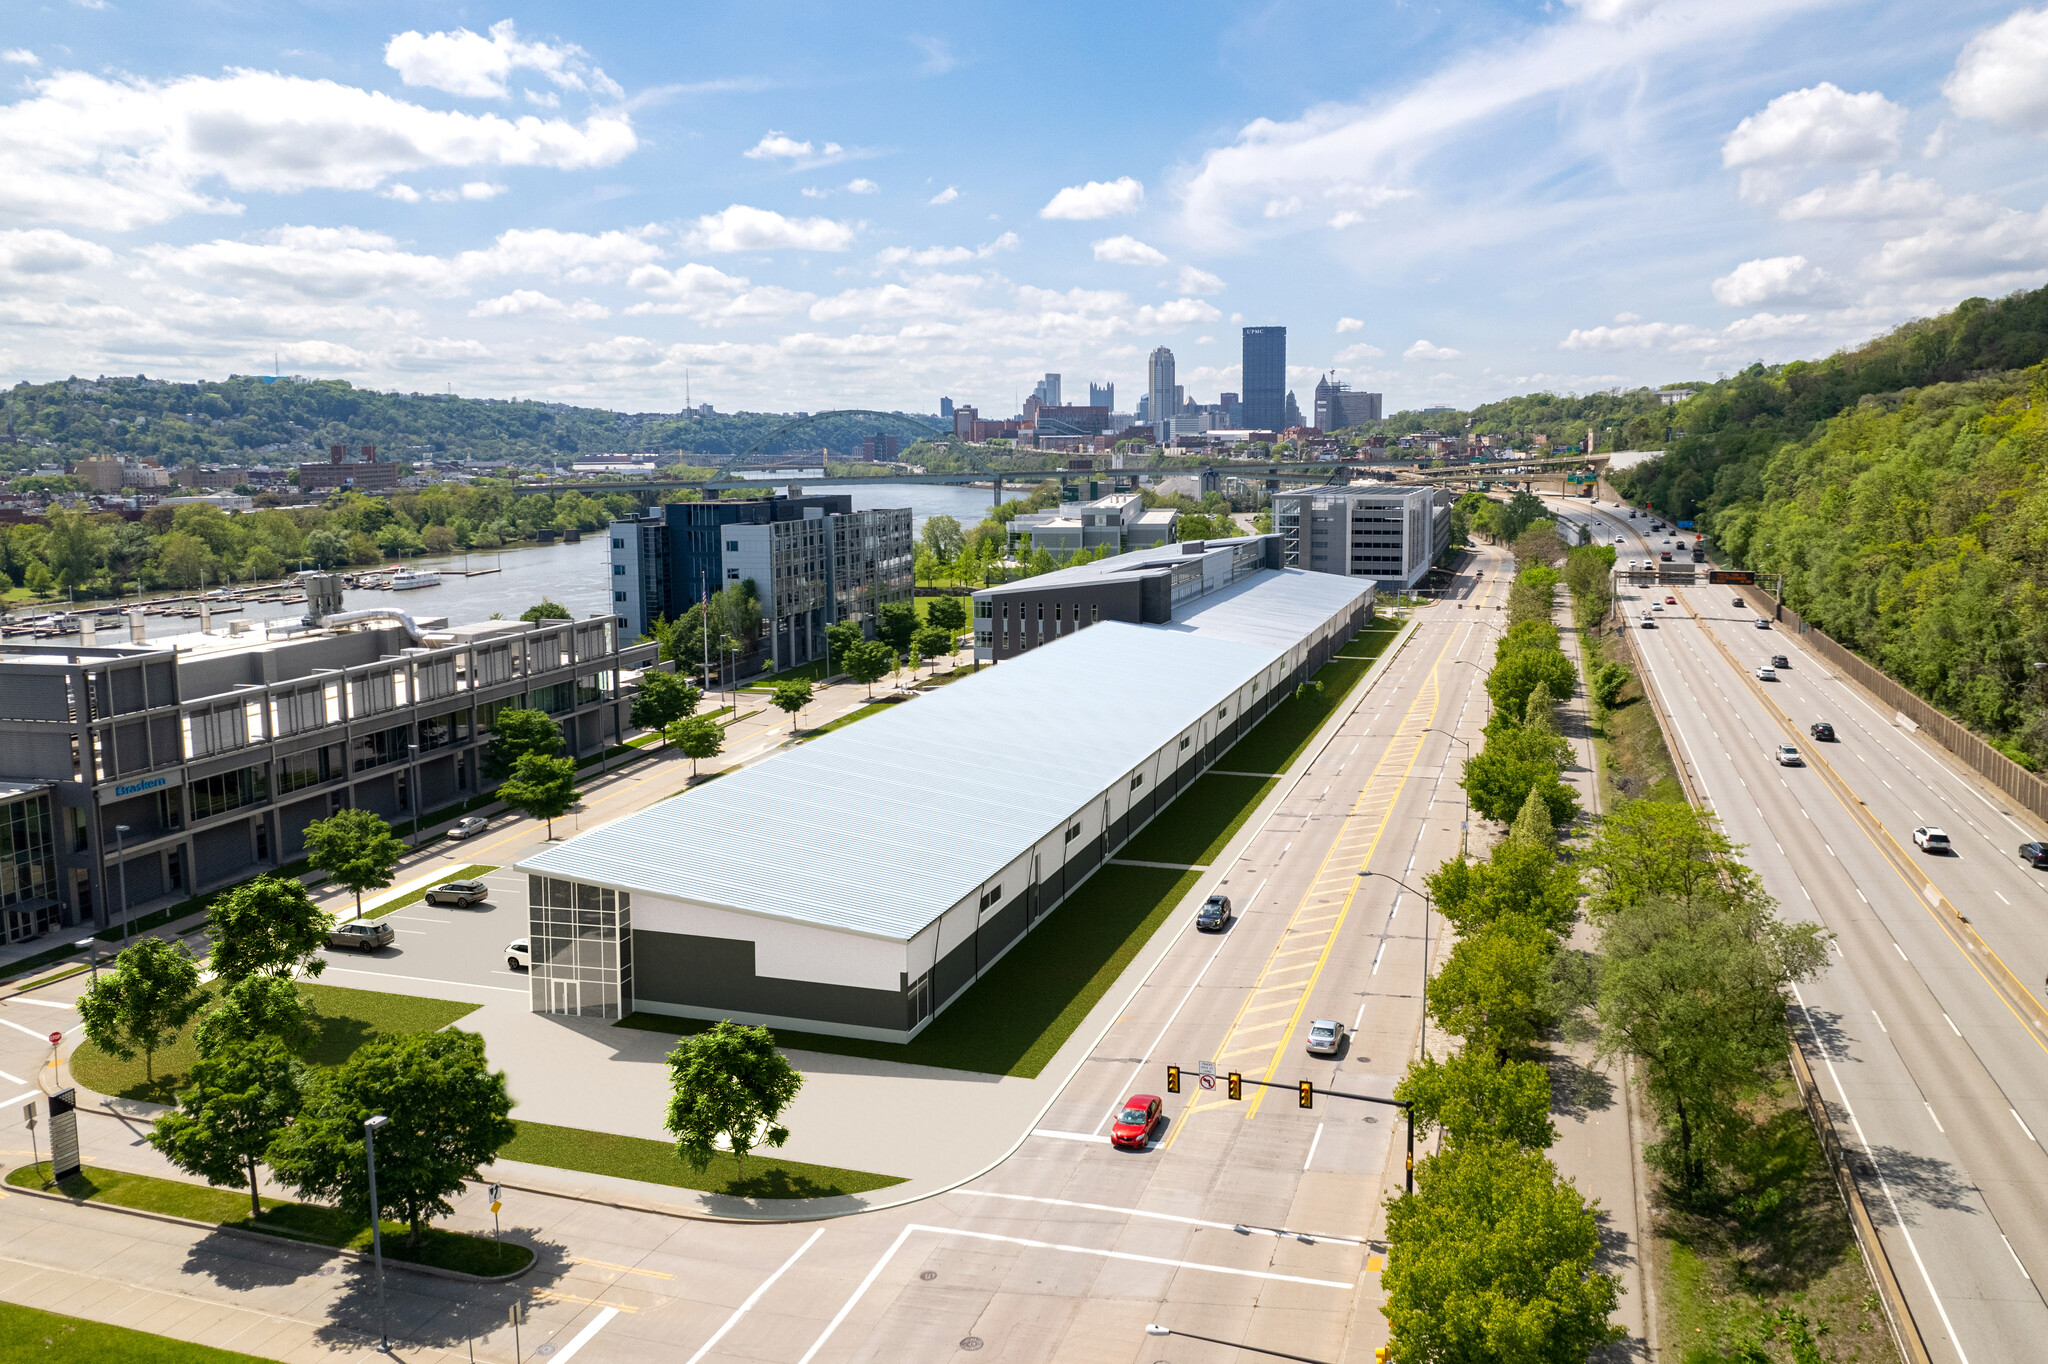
(1325, 1037)
(1214, 914)
(1671, 601)
(1762, 624)
(1617, 539)
(1134, 1122)
(1767, 673)
(2036, 853)
(467, 825)
(461, 894)
(1649, 621)
(1656, 606)
(366, 934)
(1930, 839)
(1740, 603)
(518, 955)
(1780, 661)
(1822, 731)
(1788, 756)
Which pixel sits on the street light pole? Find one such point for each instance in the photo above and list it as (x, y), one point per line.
(1425, 949)
(412, 782)
(1464, 824)
(121, 869)
(371, 1126)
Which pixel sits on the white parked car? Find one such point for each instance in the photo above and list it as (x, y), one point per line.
(518, 955)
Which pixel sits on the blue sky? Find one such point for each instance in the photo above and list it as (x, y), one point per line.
(802, 207)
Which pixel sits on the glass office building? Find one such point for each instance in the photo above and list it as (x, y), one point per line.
(1265, 378)
(580, 940)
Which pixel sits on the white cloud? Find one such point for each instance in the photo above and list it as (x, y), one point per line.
(466, 63)
(1096, 199)
(1976, 240)
(20, 56)
(1822, 125)
(1683, 338)
(1283, 208)
(710, 296)
(1871, 196)
(1343, 218)
(937, 53)
(475, 191)
(1128, 251)
(403, 193)
(779, 146)
(946, 255)
(741, 228)
(1181, 312)
(1426, 350)
(813, 192)
(1194, 281)
(44, 251)
(944, 196)
(1760, 281)
(1628, 317)
(1363, 350)
(2002, 74)
(531, 302)
(1613, 11)
(1349, 324)
(861, 185)
(121, 154)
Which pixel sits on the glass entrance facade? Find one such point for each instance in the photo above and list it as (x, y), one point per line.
(581, 941)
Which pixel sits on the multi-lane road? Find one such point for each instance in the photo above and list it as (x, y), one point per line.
(1927, 1044)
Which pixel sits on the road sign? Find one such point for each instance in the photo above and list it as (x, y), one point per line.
(1207, 1068)
(1208, 1082)
(495, 1205)
(1730, 575)
(493, 1191)
(55, 1038)
(63, 1134)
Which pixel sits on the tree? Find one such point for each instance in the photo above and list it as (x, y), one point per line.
(931, 642)
(841, 638)
(139, 1005)
(664, 698)
(728, 1081)
(1533, 827)
(547, 608)
(1519, 880)
(1473, 1097)
(895, 623)
(238, 1098)
(948, 613)
(943, 537)
(253, 1007)
(268, 927)
(1514, 762)
(698, 736)
(1644, 847)
(541, 788)
(1516, 675)
(1606, 683)
(449, 1114)
(791, 696)
(1540, 710)
(1492, 989)
(356, 849)
(869, 662)
(1490, 1261)
(516, 733)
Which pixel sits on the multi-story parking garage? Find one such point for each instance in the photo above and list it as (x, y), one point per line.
(857, 884)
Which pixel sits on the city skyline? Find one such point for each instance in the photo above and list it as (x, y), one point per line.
(540, 203)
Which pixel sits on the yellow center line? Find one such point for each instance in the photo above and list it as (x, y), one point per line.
(623, 1269)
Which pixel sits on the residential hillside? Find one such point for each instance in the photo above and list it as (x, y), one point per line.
(244, 420)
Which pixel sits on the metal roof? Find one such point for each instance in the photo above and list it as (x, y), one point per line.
(882, 827)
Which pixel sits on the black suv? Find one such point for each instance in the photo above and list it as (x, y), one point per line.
(1780, 661)
(1822, 731)
(1214, 914)
(2036, 853)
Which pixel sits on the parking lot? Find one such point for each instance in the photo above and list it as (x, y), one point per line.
(441, 946)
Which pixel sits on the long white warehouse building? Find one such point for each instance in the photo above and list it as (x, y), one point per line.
(857, 884)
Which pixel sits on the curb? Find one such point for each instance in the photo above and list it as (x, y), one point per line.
(275, 1238)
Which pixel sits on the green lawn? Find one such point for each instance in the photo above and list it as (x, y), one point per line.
(413, 897)
(26, 1333)
(1192, 830)
(1013, 1020)
(873, 708)
(295, 1221)
(1276, 741)
(656, 1162)
(812, 672)
(343, 1019)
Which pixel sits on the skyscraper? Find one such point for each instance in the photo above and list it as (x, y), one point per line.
(945, 407)
(1047, 391)
(1102, 395)
(1159, 387)
(1265, 378)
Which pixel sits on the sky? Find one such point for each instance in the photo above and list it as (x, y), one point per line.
(783, 207)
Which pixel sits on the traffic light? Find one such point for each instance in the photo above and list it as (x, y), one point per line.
(1308, 1094)
(1173, 1079)
(1236, 1085)
(1380, 1355)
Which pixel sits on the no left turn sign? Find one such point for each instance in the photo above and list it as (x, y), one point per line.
(1208, 1082)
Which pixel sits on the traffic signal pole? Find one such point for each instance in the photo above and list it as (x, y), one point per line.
(1306, 1091)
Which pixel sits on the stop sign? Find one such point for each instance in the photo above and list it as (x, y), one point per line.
(55, 1038)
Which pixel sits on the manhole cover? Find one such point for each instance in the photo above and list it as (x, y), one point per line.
(971, 1343)
(545, 1350)
(929, 1275)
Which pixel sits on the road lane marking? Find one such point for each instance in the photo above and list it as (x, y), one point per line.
(554, 1295)
(753, 1298)
(1317, 1140)
(43, 1003)
(1937, 1121)
(424, 980)
(623, 1269)
(583, 1336)
(1903, 957)
(1284, 1233)
(1880, 1023)
(2023, 1124)
(1067, 1136)
(1951, 1025)
(39, 1036)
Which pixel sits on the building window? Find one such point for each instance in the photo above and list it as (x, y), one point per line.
(1073, 832)
(315, 765)
(732, 545)
(1137, 781)
(581, 940)
(618, 596)
(618, 570)
(1094, 613)
(226, 791)
(28, 853)
(375, 750)
(559, 697)
(992, 896)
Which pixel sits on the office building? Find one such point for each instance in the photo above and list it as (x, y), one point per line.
(1338, 407)
(1161, 393)
(1391, 535)
(1102, 395)
(945, 407)
(216, 751)
(857, 884)
(814, 561)
(879, 447)
(1047, 391)
(1116, 522)
(1265, 378)
(109, 474)
(341, 474)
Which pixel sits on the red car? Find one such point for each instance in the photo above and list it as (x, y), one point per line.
(1671, 601)
(1134, 1124)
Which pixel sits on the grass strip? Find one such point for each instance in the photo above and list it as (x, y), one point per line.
(873, 708)
(413, 897)
(656, 1162)
(26, 1333)
(280, 1217)
(342, 1020)
(1016, 1017)
(1193, 830)
(1276, 741)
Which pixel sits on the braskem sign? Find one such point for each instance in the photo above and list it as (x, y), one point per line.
(136, 788)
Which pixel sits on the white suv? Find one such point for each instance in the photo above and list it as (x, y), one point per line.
(1788, 756)
(1931, 839)
(518, 955)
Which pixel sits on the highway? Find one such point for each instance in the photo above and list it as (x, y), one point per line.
(1930, 1052)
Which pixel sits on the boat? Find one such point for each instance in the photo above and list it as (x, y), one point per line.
(59, 621)
(407, 579)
